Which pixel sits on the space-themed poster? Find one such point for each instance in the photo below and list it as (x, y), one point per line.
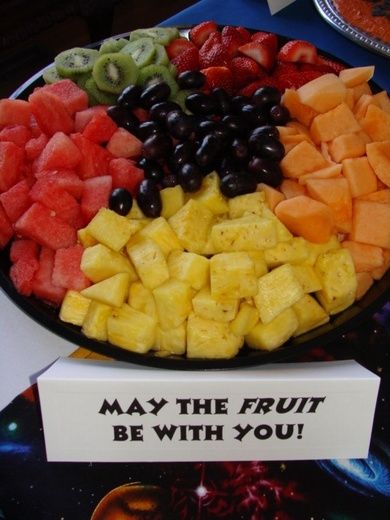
(334, 489)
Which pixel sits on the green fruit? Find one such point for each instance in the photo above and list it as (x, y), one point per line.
(50, 75)
(161, 56)
(142, 51)
(97, 96)
(112, 45)
(113, 72)
(156, 74)
(75, 61)
(162, 35)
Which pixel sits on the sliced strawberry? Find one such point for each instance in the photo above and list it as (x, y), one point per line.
(213, 53)
(199, 34)
(231, 39)
(298, 50)
(187, 60)
(245, 70)
(266, 81)
(178, 46)
(245, 34)
(259, 52)
(268, 38)
(219, 77)
(298, 78)
(327, 65)
(285, 67)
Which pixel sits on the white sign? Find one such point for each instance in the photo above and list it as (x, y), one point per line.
(96, 411)
(277, 5)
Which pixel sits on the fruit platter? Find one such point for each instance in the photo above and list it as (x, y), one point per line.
(210, 197)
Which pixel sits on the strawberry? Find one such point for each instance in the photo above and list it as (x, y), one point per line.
(259, 52)
(298, 78)
(177, 46)
(213, 53)
(187, 60)
(231, 39)
(266, 81)
(269, 39)
(245, 34)
(284, 67)
(245, 70)
(219, 77)
(199, 34)
(298, 50)
(327, 65)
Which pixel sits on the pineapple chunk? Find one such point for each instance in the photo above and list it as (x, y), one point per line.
(232, 276)
(137, 224)
(269, 336)
(172, 200)
(336, 272)
(192, 225)
(310, 314)
(248, 233)
(282, 233)
(293, 252)
(211, 339)
(316, 249)
(251, 203)
(95, 322)
(74, 307)
(161, 232)
(277, 290)
(99, 262)
(259, 262)
(136, 212)
(246, 319)
(207, 307)
(85, 239)
(110, 229)
(172, 341)
(189, 267)
(307, 277)
(173, 303)
(141, 299)
(112, 291)
(149, 262)
(131, 329)
(210, 195)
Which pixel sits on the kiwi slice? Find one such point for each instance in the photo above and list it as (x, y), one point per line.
(50, 75)
(161, 56)
(155, 74)
(97, 96)
(142, 51)
(180, 99)
(81, 79)
(75, 61)
(161, 35)
(114, 71)
(112, 45)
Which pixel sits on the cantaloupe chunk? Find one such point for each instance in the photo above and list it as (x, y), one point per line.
(360, 176)
(299, 127)
(356, 75)
(366, 138)
(361, 106)
(335, 194)
(340, 120)
(302, 113)
(323, 93)
(291, 188)
(347, 145)
(370, 223)
(324, 173)
(306, 217)
(325, 152)
(380, 271)
(289, 141)
(286, 130)
(303, 158)
(365, 256)
(378, 155)
(350, 98)
(376, 123)
(272, 196)
(359, 90)
(382, 100)
(382, 196)
(364, 283)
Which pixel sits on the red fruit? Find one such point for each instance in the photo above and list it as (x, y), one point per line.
(17, 134)
(66, 270)
(82, 118)
(177, 46)
(245, 34)
(50, 112)
(73, 97)
(124, 144)
(327, 65)
(42, 285)
(199, 34)
(64, 179)
(298, 50)
(262, 82)
(23, 248)
(14, 112)
(94, 158)
(96, 194)
(219, 77)
(59, 152)
(213, 53)
(35, 146)
(16, 200)
(283, 68)
(232, 39)
(245, 70)
(62, 203)
(298, 78)
(11, 160)
(259, 52)
(125, 174)
(187, 60)
(6, 230)
(100, 128)
(22, 274)
(141, 114)
(267, 38)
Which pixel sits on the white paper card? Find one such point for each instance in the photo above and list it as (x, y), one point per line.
(110, 411)
(277, 5)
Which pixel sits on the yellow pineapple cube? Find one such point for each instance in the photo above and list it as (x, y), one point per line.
(172, 341)
(317, 249)
(149, 262)
(172, 200)
(100, 262)
(192, 225)
(131, 329)
(189, 267)
(173, 303)
(310, 314)
(211, 339)
(208, 307)
(259, 262)
(95, 322)
(74, 307)
(162, 234)
(110, 229)
(307, 277)
(271, 335)
(232, 276)
(295, 251)
(251, 203)
(141, 298)
(336, 272)
(137, 224)
(277, 290)
(210, 195)
(85, 239)
(282, 233)
(136, 212)
(246, 319)
(112, 291)
(248, 233)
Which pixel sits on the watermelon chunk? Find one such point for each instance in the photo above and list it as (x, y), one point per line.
(23, 248)
(6, 230)
(82, 118)
(11, 160)
(59, 152)
(42, 285)
(34, 146)
(16, 200)
(96, 194)
(50, 112)
(124, 144)
(14, 112)
(73, 97)
(17, 134)
(22, 274)
(125, 174)
(57, 199)
(66, 271)
(100, 128)
(65, 179)
(94, 158)
(40, 223)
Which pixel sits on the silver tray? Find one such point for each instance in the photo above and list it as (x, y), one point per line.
(330, 14)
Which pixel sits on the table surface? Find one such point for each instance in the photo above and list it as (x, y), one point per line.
(31, 488)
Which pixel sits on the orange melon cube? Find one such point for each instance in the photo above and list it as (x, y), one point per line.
(359, 90)
(323, 93)
(366, 138)
(382, 196)
(350, 98)
(325, 152)
(307, 218)
(286, 130)
(347, 145)
(291, 188)
(382, 100)
(370, 223)
(364, 283)
(380, 271)
(361, 106)
(272, 196)
(376, 123)
(325, 173)
(378, 155)
(303, 158)
(360, 176)
(289, 141)
(365, 256)
(356, 75)
(302, 113)
(299, 127)
(340, 120)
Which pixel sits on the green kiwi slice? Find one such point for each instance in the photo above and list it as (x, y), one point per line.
(75, 61)
(161, 35)
(155, 74)
(180, 99)
(114, 71)
(50, 75)
(81, 79)
(142, 51)
(112, 45)
(97, 96)
(161, 56)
